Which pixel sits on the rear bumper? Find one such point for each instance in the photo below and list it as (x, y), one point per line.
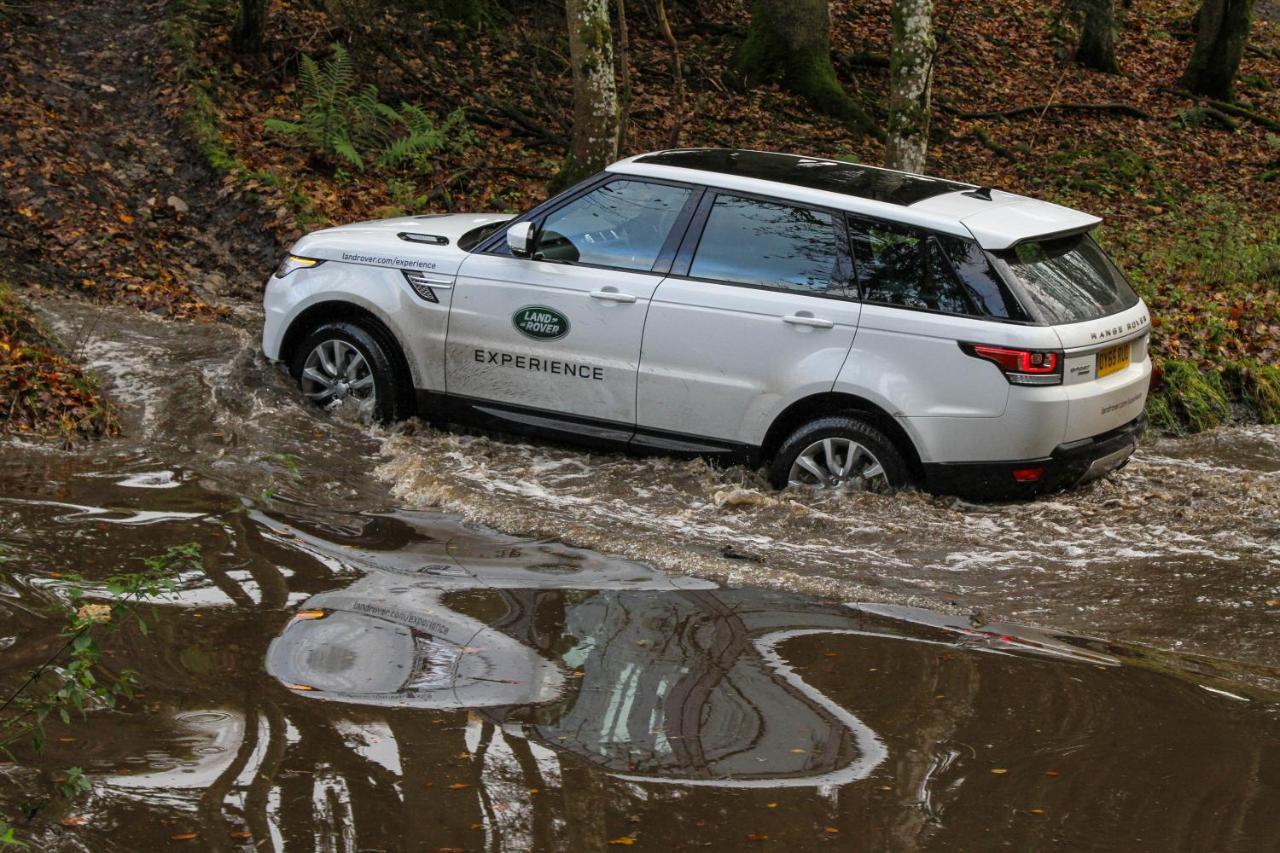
(1069, 465)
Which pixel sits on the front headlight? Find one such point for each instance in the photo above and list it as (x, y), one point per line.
(295, 262)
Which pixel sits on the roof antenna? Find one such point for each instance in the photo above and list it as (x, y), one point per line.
(983, 193)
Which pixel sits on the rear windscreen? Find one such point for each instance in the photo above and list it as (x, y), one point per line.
(1069, 279)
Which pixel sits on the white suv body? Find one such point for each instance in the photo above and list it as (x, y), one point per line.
(722, 302)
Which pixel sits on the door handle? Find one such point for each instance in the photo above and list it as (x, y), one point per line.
(808, 320)
(612, 296)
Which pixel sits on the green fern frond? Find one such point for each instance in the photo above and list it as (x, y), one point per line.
(344, 149)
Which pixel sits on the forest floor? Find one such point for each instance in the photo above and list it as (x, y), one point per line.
(139, 168)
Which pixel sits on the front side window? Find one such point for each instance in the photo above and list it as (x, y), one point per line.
(768, 244)
(622, 224)
(905, 267)
(1069, 280)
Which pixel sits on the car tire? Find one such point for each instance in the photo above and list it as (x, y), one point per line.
(340, 362)
(827, 443)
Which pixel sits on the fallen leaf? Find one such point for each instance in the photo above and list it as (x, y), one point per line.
(184, 836)
(458, 786)
(999, 771)
(1036, 811)
(757, 836)
(241, 834)
(1052, 773)
(832, 830)
(75, 820)
(623, 841)
(771, 805)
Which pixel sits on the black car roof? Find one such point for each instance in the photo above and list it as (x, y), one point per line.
(813, 173)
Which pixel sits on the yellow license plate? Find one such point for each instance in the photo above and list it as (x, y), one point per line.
(1113, 360)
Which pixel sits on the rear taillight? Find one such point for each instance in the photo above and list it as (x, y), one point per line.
(1021, 366)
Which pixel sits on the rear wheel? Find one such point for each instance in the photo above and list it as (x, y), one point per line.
(343, 367)
(839, 452)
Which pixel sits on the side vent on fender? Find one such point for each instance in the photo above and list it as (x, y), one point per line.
(426, 284)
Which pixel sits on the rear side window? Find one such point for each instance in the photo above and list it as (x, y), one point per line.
(622, 224)
(982, 284)
(768, 244)
(905, 267)
(1068, 280)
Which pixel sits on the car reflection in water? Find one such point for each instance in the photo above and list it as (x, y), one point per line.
(648, 677)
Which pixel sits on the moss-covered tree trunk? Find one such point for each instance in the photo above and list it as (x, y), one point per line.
(1097, 48)
(595, 93)
(790, 42)
(1222, 32)
(910, 82)
(249, 26)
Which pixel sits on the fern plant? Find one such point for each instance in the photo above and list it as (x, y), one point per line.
(338, 118)
(422, 137)
(344, 123)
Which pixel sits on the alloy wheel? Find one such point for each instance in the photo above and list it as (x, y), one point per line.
(839, 463)
(337, 374)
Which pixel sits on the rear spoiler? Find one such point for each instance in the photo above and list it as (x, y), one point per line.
(1005, 226)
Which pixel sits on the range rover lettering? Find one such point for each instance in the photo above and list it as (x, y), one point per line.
(843, 325)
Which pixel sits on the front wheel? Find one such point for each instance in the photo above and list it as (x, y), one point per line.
(342, 367)
(839, 452)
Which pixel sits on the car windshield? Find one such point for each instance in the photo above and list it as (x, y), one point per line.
(1069, 279)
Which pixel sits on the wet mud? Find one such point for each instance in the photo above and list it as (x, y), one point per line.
(365, 662)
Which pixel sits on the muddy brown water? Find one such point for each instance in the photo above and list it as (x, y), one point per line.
(366, 663)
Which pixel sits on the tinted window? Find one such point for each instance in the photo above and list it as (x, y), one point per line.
(986, 290)
(1070, 279)
(903, 266)
(771, 245)
(622, 224)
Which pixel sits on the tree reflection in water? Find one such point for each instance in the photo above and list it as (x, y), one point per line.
(468, 690)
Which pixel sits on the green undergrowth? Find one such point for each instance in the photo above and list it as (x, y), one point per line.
(1190, 398)
(1210, 273)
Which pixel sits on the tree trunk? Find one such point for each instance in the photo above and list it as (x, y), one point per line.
(1097, 48)
(247, 31)
(595, 94)
(910, 81)
(1222, 32)
(790, 41)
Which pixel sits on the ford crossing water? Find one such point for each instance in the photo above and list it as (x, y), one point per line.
(365, 659)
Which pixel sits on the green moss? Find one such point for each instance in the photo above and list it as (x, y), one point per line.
(1160, 414)
(1258, 388)
(202, 121)
(1197, 399)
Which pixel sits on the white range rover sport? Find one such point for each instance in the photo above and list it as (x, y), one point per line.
(842, 324)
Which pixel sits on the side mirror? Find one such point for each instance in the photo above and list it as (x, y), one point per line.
(521, 238)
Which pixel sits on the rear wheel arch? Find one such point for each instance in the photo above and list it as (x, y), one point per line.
(835, 403)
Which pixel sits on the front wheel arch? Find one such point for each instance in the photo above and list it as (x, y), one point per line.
(336, 311)
(347, 312)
